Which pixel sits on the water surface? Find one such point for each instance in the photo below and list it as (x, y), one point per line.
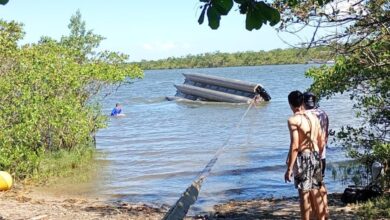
(154, 153)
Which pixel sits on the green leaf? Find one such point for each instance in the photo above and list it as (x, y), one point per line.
(292, 3)
(321, 2)
(244, 8)
(214, 17)
(201, 17)
(3, 2)
(270, 14)
(223, 6)
(275, 17)
(253, 20)
(240, 1)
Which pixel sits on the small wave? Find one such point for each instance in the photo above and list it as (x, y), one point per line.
(211, 103)
(261, 190)
(151, 100)
(236, 172)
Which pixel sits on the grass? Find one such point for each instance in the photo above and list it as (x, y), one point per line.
(76, 163)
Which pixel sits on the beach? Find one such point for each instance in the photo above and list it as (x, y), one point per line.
(28, 203)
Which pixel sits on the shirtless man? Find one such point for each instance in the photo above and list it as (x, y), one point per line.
(304, 158)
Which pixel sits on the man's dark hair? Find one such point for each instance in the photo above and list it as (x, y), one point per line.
(295, 98)
(310, 100)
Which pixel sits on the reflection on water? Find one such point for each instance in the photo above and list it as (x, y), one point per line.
(155, 152)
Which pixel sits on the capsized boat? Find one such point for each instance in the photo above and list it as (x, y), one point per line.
(202, 87)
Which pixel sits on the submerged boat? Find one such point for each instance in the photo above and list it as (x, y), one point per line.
(202, 87)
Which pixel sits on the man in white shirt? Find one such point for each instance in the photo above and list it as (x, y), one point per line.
(310, 103)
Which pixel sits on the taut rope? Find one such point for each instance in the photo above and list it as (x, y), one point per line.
(179, 210)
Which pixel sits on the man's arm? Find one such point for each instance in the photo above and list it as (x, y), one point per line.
(113, 112)
(326, 128)
(321, 137)
(293, 152)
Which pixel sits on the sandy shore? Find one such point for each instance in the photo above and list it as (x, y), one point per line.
(29, 203)
(287, 208)
(23, 203)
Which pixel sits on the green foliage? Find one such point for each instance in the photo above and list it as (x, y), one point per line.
(222, 6)
(369, 86)
(214, 17)
(351, 172)
(46, 92)
(10, 33)
(249, 58)
(3, 2)
(81, 41)
(363, 71)
(64, 163)
(257, 12)
(215, 9)
(21, 161)
(378, 208)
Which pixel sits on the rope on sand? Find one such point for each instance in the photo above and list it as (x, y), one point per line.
(179, 210)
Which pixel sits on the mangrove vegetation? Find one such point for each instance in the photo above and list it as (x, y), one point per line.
(248, 58)
(48, 118)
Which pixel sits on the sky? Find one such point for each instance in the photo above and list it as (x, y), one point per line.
(148, 30)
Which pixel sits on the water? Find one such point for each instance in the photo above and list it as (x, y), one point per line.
(155, 151)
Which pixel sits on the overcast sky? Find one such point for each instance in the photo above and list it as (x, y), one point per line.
(148, 30)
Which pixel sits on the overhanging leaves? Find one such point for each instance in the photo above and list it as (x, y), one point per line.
(222, 6)
(201, 17)
(257, 13)
(240, 1)
(3, 2)
(271, 14)
(214, 17)
(254, 20)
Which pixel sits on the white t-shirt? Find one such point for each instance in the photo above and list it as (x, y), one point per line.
(324, 122)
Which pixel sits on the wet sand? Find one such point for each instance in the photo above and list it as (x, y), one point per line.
(28, 203)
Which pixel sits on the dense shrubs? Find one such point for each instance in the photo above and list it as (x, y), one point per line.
(45, 94)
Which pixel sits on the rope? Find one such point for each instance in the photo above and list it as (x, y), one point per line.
(179, 210)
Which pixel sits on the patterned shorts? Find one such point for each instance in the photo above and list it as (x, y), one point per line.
(307, 171)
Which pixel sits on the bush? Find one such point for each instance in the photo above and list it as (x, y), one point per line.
(375, 209)
(47, 113)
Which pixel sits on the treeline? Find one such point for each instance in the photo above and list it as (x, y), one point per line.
(248, 58)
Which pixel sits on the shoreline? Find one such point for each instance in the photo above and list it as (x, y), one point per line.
(27, 203)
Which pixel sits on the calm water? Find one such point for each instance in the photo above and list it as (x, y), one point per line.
(155, 152)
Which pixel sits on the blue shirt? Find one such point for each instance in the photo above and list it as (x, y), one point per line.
(116, 111)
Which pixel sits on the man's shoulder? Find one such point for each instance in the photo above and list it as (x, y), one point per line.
(293, 119)
(317, 111)
(321, 113)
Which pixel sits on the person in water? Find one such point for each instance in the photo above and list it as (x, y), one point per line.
(117, 110)
(310, 103)
(304, 156)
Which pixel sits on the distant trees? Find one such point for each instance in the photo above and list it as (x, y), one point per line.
(249, 58)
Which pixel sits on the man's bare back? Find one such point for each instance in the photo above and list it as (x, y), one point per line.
(307, 126)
